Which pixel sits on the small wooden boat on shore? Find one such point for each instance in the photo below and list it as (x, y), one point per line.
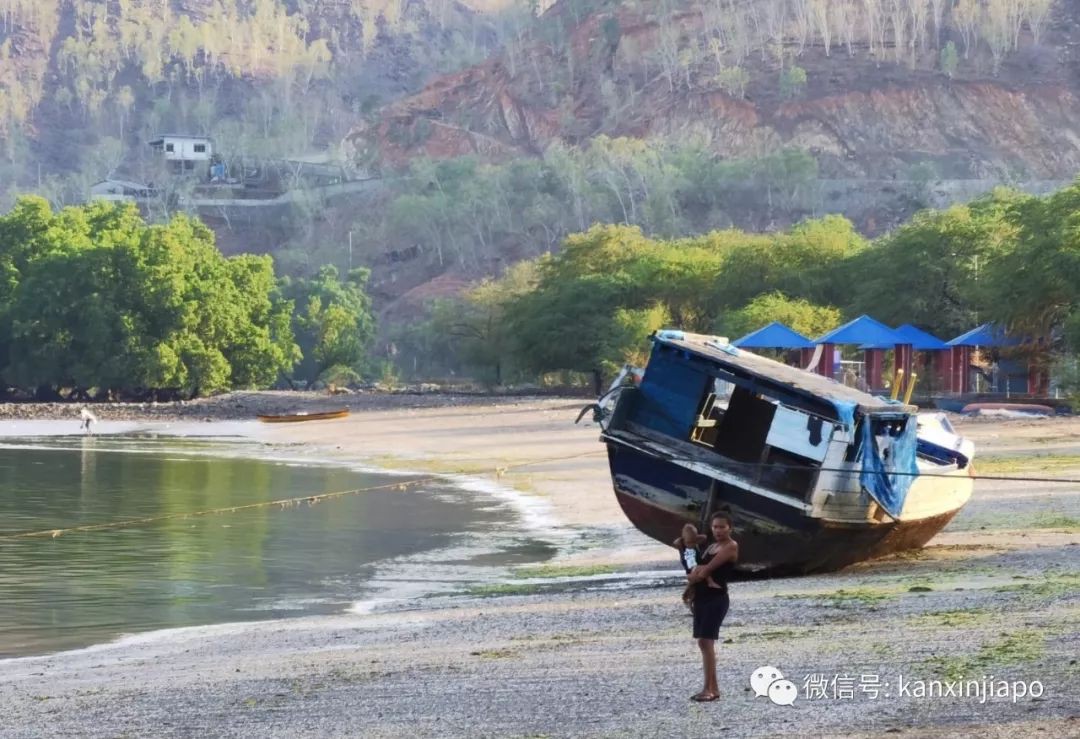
(812, 474)
(305, 416)
(1032, 409)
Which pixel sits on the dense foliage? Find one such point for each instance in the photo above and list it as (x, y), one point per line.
(465, 212)
(93, 299)
(334, 324)
(1007, 257)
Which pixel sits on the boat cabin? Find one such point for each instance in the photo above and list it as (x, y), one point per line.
(761, 420)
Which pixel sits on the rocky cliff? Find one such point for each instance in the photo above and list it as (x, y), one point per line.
(980, 90)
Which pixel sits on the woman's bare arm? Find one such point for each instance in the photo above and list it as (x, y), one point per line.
(727, 553)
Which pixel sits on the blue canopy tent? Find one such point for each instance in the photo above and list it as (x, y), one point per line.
(987, 335)
(864, 330)
(1008, 376)
(774, 336)
(919, 341)
(779, 337)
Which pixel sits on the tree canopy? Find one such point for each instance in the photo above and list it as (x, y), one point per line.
(92, 298)
(334, 323)
(1006, 257)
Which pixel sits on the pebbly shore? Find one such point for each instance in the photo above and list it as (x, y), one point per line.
(996, 595)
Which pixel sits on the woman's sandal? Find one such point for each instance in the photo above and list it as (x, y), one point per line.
(704, 697)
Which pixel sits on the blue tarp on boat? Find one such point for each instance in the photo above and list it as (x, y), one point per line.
(887, 479)
(774, 336)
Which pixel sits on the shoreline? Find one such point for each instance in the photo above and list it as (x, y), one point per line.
(235, 440)
(545, 454)
(996, 593)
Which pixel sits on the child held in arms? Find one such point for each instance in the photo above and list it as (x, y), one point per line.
(689, 546)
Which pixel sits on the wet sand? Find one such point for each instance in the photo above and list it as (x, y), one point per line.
(996, 594)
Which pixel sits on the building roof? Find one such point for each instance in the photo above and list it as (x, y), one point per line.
(920, 340)
(180, 136)
(774, 336)
(739, 361)
(863, 330)
(985, 335)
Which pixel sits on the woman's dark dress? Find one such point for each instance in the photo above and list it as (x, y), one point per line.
(711, 604)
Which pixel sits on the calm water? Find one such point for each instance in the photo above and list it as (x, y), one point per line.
(82, 588)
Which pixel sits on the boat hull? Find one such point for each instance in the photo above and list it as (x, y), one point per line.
(298, 417)
(659, 497)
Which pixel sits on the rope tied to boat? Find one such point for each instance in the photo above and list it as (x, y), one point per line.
(499, 471)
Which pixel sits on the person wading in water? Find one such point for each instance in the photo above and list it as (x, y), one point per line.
(711, 598)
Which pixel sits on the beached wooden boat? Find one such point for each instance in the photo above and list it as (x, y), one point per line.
(1035, 409)
(305, 416)
(956, 403)
(813, 474)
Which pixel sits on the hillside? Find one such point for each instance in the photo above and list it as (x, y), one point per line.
(975, 89)
(493, 128)
(85, 84)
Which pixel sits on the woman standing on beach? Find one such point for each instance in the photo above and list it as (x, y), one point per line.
(711, 598)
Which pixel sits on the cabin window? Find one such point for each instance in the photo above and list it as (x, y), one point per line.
(885, 429)
(800, 433)
(170, 148)
(708, 420)
(788, 473)
(739, 429)
(200, 148)
(711, 411)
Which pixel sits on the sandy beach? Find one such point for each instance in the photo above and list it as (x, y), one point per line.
(597, 643)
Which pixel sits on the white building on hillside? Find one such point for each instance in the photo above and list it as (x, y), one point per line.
(183, 151)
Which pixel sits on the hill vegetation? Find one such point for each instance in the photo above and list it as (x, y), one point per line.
(710, 138)
(94, 301)
(85, 84)
(1009, 258)
(685, 116)
(757, 75)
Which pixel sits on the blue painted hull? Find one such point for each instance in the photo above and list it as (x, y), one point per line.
(659, 497)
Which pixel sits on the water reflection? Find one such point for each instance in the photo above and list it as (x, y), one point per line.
(82, 588)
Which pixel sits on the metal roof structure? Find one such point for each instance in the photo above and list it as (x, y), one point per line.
(863, 330)
(774, 336)
(920, 340)
(985, 335)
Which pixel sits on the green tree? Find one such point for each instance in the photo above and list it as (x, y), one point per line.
(100, 300)
(800, 315)
(950, 60)
(932, 270)
(806, 262)
(24, 233)
(334, 323)
(478, 325)
(565, 326)
(792, 82)
(1036, 284)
